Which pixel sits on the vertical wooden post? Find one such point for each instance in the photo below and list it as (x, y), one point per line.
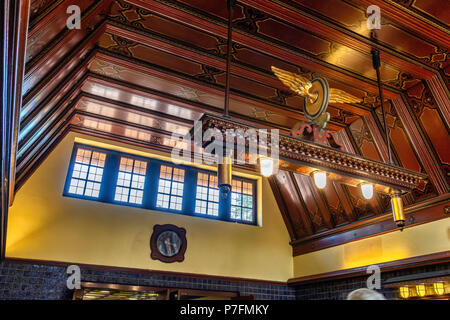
(14, 26)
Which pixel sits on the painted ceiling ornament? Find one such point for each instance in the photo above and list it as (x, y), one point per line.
(317, 95)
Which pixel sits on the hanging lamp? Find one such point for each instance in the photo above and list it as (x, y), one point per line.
(224, 166)
(396, 200)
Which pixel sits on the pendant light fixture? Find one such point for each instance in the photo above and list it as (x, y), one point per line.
(396, 200)
(266, 166)
(224, 168)
(367, 190)
(320, 179)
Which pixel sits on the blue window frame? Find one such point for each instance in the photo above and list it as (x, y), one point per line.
(242, 200)
(170, 188)
(130, 180)
(207, 194)
(115, 177)
(87, 173)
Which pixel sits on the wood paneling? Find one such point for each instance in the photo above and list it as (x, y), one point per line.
(427, 211)
(139, 70)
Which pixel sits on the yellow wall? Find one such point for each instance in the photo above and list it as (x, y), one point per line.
(47, 226)
(416, 241)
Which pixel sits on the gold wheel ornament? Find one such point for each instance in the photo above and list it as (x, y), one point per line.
(314, 108)
(317, 94)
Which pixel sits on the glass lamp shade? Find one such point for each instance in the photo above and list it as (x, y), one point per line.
(404, 292)
(439, 288)
(367, 190)
(320, 179)
(266, 166)
(421, 290)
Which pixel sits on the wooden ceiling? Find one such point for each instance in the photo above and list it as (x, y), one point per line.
(139, 70)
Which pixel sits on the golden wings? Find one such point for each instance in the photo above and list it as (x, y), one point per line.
(301, 86)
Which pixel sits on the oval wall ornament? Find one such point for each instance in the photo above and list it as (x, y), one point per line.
(168, 243)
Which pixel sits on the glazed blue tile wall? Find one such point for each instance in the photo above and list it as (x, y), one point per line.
(27, 281)
(339, 289)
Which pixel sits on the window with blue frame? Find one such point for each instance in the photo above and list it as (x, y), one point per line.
(124, 179)
(242, 200)
(170, 188)
(87, 173)
(207, 194)
(131, 180)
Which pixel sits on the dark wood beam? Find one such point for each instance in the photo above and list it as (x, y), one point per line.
(64, 43)
(14, 27)
(236, 68)
(119, 104)
(266, 47)
(420, 145)
(377, 135)
(442, 96)
(339, 34)
(176, 100)
(147, 69)
(64, 106)
(48, 85)
(410, 19)
(343, 138)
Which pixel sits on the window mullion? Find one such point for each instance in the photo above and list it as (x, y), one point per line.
(224, 207)
(151, 187)
(190, 191)
(111, 171)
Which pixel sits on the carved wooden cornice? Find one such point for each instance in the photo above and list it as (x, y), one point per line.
(304, 157)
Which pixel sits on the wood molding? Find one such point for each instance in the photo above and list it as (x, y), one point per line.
(144, 271)
(429, 259)
(301, 156)
(424, 212)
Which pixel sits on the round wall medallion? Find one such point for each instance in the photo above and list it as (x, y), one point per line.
(168, 243)
(314, 108)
